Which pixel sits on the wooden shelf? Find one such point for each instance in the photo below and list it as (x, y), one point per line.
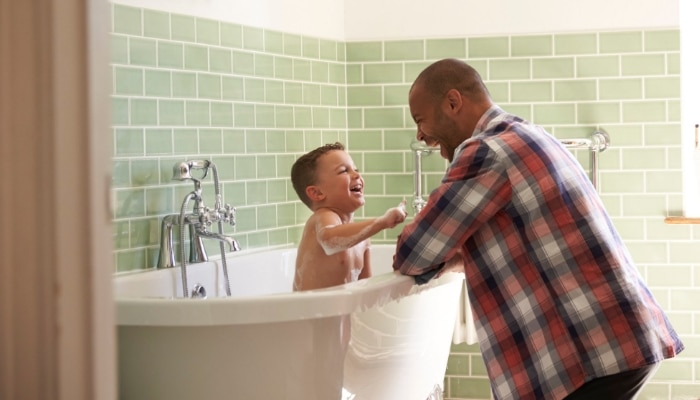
(681, 220)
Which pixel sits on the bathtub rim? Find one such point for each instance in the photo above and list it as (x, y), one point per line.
(271, 308)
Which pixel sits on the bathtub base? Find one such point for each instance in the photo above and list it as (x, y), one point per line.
(294, 361)
(400, 350)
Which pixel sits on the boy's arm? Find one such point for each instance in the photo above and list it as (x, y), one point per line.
(367, 265)
(334, 236)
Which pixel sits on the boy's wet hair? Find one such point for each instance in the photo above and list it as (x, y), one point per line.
(304, 170)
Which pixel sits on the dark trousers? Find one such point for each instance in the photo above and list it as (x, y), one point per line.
(623, 386)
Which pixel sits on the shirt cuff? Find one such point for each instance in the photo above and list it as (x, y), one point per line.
(427, 275)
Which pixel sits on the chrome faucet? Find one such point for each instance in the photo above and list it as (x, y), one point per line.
(197, 231)
(198, 222)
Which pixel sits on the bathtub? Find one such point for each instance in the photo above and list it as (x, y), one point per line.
(382, 338)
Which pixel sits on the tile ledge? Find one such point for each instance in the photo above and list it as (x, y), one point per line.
(681, 220)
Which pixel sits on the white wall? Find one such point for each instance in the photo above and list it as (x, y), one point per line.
(353, 20)
(690, 104)
(406, 19)
(317, 18)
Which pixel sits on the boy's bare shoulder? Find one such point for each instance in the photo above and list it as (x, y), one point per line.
(325, 216)
(324, 211)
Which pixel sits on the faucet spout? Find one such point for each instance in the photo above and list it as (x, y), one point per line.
(166, 255)
(232, 243)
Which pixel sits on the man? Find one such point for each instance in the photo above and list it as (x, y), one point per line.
(560, 308)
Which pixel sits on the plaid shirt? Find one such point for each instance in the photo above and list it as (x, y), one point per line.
(556, 297)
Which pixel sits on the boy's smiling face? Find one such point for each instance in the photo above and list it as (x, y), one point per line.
(338, 183)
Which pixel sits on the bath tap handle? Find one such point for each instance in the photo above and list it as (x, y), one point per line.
(225, 214)
(229, 214)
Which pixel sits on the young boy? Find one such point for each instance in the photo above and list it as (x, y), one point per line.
(334, 249)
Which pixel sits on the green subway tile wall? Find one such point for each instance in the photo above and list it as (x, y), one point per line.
(252, 100)
(249, 99)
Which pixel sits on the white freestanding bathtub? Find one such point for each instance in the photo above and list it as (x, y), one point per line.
(382, 338)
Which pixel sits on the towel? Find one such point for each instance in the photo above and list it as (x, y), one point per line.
(465, 331)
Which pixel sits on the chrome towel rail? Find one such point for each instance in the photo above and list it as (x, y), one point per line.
(598, 142)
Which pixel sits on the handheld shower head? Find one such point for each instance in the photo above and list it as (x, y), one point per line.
(182, 171)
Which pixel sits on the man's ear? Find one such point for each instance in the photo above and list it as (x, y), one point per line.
(314, 193)
(454, 99)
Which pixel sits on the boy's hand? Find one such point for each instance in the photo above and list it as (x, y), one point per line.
(395, 215)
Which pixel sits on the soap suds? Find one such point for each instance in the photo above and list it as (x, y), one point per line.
(336, 244)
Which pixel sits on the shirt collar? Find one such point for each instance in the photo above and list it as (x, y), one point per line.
(484, 121)
(486, 118)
